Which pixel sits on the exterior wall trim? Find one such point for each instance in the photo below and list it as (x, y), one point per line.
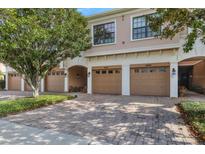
(131, 50)
(174, 80)
(97, 18)
(126, 80)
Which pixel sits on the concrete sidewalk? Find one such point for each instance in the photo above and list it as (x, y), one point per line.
(12, 133)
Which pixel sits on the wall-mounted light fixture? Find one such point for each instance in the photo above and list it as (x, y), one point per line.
(173, 71)
(88, 74)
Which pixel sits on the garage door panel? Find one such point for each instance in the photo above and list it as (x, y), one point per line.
(55, 81)
(14, 82)
(107, 81)
(150, 81)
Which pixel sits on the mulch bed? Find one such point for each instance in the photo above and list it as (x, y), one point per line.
(193, 131)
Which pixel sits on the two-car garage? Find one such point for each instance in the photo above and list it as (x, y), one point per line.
(152, 79)
(54, 81)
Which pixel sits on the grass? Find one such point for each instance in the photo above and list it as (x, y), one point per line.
(29, 103)
(194, 115)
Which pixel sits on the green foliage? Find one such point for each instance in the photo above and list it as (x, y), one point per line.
(23, 104)
(1, 76)
(33, 41)
(195, 115)
(178, 20)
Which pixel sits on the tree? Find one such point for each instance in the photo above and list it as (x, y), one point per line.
(178, 20)
(33, 41)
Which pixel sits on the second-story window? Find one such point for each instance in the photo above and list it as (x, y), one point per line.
(104, 33)
(141, 29)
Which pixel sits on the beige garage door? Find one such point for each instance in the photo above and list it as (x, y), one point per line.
(14, 82)
(107, 80)
(55, 81)
(154, 81)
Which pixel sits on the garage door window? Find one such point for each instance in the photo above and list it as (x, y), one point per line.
(117, 71)
(104, 72)
(162, 69)
(150, 70)
(110, 72)
(153, 70)
(144, 70)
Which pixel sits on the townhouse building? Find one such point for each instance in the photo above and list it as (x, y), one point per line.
(126, 58)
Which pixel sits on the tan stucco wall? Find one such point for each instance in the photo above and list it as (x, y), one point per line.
(77, 76)
(199, 74)
(123, 36)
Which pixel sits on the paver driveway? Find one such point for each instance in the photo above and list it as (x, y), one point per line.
(113, 119)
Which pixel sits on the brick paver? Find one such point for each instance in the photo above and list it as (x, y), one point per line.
(113, 119)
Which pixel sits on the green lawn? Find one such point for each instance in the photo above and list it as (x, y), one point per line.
(23, 104)
(194, 114)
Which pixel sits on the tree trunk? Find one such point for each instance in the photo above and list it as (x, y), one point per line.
(36, 92)
(34, 82)
(35, 86)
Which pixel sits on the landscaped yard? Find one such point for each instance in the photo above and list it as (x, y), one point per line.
(194, 115)
(23, 104)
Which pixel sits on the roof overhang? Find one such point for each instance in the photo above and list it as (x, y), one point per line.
(110, 12)
(189, 62)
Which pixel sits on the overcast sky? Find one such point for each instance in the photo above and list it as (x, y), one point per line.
(92, 11)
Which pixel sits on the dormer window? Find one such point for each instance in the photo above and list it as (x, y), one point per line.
(141, 29)
(104, 33)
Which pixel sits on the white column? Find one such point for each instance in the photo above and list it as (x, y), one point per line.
(173, 79)
(89, 80)
(42, 85)
(66, 81)
(22, 83)
(6, 79)
(126, 80)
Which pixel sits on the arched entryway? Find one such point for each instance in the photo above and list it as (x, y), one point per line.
(191, 76)
(77, 81)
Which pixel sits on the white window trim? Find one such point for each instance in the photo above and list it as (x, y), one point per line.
(131, 30)
(92, 34)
